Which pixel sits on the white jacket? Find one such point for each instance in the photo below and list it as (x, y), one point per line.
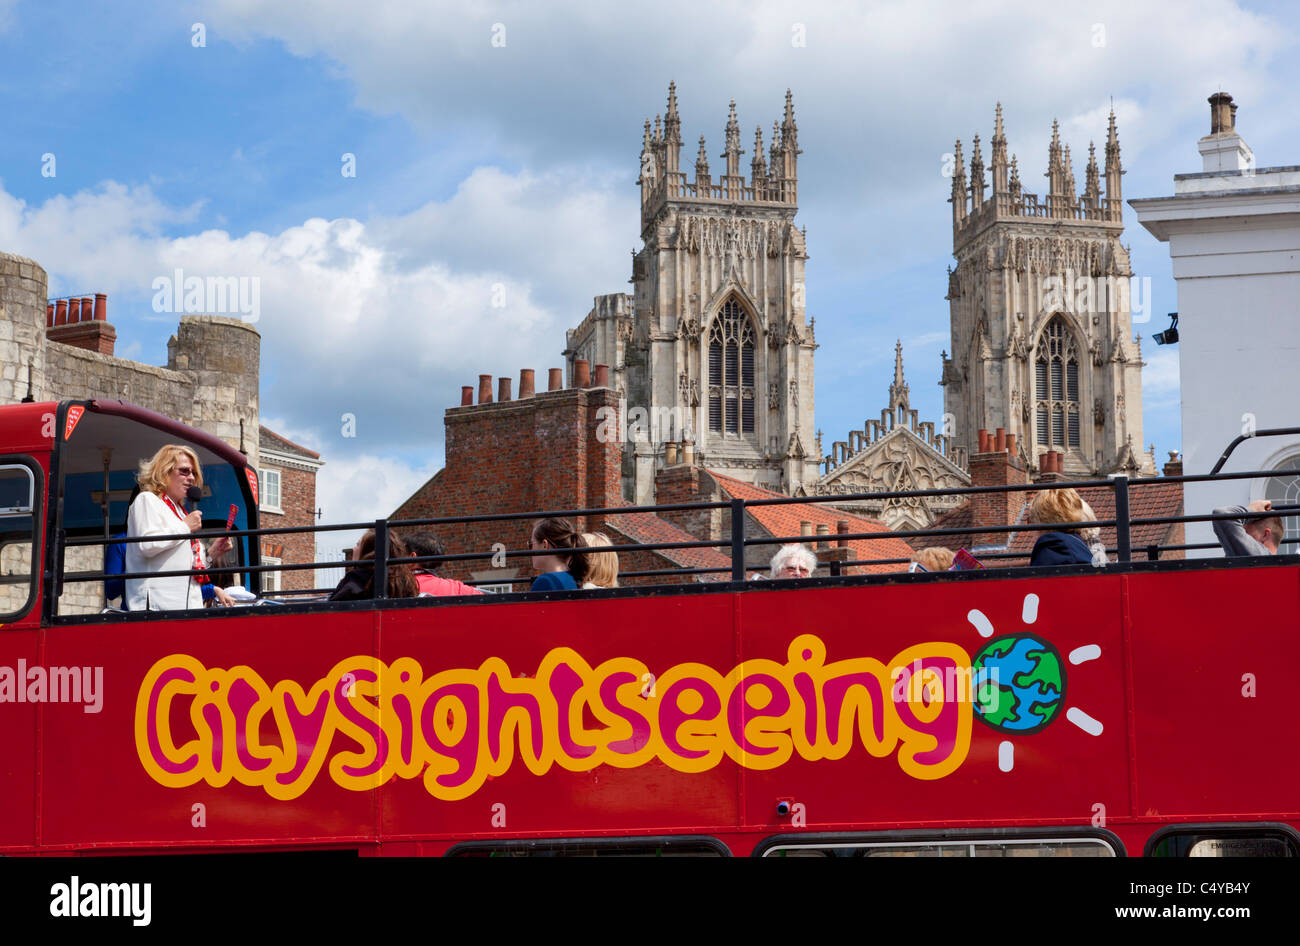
(150, 515)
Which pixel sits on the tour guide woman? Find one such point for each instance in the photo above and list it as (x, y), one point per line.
(160, 510)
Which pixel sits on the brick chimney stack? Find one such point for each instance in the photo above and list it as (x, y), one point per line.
(1175, 465)
(994, 467)
(82, 322)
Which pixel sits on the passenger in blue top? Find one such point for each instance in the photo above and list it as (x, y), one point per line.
(1066, 547)
(562, 566)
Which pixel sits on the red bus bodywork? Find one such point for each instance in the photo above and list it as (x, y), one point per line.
(283, 728)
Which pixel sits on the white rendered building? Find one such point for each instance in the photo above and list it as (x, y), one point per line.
(1234, 241)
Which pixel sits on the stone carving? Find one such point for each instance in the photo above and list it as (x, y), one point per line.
(773, 396)
(794, 393)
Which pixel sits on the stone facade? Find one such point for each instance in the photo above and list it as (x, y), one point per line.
(1042, 335)
(714, 338)
(894, 454)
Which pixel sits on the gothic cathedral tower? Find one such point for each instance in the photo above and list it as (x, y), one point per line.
(719, 331)
(1042, 337)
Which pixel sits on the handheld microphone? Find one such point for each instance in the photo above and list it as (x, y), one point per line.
(192, 495)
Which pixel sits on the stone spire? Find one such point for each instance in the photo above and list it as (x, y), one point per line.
(758, 166)
(1013, 188)
(976, 178)
(1070, 191)
(999, 154)
(898, 390)
(1055, 169)
(789, 130)
(958, 199)
(702, 178)
(1114, 192)
(1092, 182)
(733, 152)
(672, 137)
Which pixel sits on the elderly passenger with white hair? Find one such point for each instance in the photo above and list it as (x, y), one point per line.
(794, 561)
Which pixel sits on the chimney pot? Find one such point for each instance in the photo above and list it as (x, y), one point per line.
(49, 314)
(466, 395)
(822, 529)
(87, 309)
(503, 388)
(526, 382)
(601, 379)
(688, 452)
(983, 440)
(581, 373)
(805, 528)
(555, 380)
(670, 454)
(1223, 114)
(101, 307)
(485, 389)
(61, 312)
(74, 311)
(1011, 444)
(842, 528)
(1000, 441)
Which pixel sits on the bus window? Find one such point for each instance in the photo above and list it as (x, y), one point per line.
(595, 847)
(972, 847)
(17, 535)
(1225, 841)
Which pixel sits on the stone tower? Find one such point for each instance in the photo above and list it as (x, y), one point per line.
(714, 334)
(1042, 336)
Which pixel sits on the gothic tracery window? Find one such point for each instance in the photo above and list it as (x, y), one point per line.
(1056, 387)
(731, 371)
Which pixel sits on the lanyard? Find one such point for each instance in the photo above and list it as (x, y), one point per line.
(202, 579)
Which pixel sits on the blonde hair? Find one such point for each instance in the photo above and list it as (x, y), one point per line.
(1057, 505)
(1089, 535)
(602, 567)
(154, 471)
(935, 559)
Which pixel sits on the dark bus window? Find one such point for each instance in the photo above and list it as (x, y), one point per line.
(17, 535)
(594, 847)
(1035, 847)
(1225, 841)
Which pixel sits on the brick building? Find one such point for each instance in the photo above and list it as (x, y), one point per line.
(552, 451)
(286, 490)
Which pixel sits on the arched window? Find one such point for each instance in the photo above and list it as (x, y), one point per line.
(1284, 490)
(1056, 387)
(731, 371)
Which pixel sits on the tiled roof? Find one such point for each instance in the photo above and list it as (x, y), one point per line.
(647, 528)
(962, 517)
(268, 439)
(785, 520)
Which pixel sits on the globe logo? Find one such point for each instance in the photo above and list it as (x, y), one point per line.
(1019, 683)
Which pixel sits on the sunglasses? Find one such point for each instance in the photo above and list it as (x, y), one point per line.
(184, 471)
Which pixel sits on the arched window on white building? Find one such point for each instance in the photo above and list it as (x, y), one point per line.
(1285, 491)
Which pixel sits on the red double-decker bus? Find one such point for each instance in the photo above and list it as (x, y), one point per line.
(1142, 708)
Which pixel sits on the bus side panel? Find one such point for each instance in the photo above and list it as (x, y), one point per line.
(1214, 663)
(18, 654)
(97, 790)
(1061, 772)
(661, 631)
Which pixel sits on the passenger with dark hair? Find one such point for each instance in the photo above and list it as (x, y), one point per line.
(555, 544)
(359, 582)
(421, 544)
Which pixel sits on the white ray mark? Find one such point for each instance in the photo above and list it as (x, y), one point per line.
(1085, 653)
(1029, 612)
(1006, 755)
(1085, 722)
(980, 622)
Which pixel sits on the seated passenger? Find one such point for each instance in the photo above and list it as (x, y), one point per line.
(934, 559)
(602, 567)
(1064, 547)
(1254, 537)
(426, 578)
(115, 559)
(358, 583)
(562, 568)
(794, 561)
(159, 510)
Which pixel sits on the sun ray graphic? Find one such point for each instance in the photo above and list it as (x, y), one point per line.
(1020, 680)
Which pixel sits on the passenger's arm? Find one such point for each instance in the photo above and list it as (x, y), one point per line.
(153, 518)
(1232, 534)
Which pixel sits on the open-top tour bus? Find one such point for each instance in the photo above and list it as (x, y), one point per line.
(1140, 708)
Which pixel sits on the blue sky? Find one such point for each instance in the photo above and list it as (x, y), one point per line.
(479, 164)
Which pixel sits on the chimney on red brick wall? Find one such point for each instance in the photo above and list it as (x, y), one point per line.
(503, 388)
(601, 378)
(555, 380)
(526, 382)
(485, 389)
(1175, 465)
(581, 373)
(466, 395)
(1050, 468)
(992, 467)
(82, 323)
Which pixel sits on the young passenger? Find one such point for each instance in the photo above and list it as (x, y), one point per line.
(1253, 537)
(602, 567)
(1064, 547)
(554, 542)
(359, 582)
(426, 577)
